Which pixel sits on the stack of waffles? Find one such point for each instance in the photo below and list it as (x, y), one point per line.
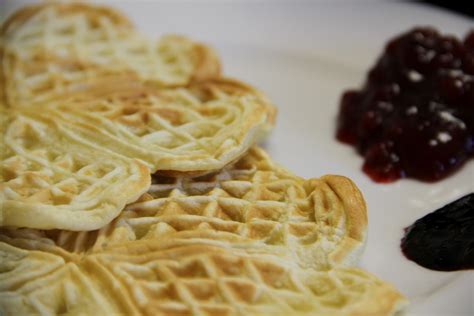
(131, 184)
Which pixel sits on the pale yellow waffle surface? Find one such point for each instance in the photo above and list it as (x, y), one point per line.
(104, 84)
(47, 181)
(257, 205)
(196, 129)
(166, 277)
(252, 239)
(50, 48)
(79, 155)
(252, 204)
(249, 240)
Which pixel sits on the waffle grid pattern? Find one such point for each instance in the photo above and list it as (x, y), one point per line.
(62, 46)
(225, 283)
(252, 204)
(39, 177)
(251, 207)
(171, 129)
(187, 130)
(28, 169)
(187, 280)
(84, 95)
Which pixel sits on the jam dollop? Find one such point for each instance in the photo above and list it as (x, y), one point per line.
(414, 117)
(443, 240)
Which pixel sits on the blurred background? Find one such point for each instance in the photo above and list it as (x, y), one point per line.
(459, 7)
(456, 6)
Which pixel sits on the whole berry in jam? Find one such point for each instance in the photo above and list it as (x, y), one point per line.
(414, 117)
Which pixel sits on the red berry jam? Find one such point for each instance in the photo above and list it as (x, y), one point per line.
(415, 115)
(443, 240)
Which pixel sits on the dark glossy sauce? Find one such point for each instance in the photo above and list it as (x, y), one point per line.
(415, 115)
(443, 240)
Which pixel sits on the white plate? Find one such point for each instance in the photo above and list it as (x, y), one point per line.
(304, 55)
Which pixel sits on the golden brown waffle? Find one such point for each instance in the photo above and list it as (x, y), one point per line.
(102, 130)
(56, 47)
(250, 240)
(165, 277)
(192, 130)
(258, 205)
(47, 181)
(87, 95)
(253, 204)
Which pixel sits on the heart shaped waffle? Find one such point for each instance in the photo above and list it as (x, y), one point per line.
(252, 239)
(252, 203)
(55, 47)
